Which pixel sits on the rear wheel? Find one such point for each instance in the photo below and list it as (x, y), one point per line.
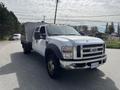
(26, 49)
(53, 66)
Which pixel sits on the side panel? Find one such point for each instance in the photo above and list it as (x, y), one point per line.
(41, 46)
(29, 29)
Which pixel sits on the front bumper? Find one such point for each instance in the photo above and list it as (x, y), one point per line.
(81, 64)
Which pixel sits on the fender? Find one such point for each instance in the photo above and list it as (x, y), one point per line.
(55, 49)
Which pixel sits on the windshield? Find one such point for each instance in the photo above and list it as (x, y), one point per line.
(61, 30)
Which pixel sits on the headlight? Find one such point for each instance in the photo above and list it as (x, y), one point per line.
(67, 52)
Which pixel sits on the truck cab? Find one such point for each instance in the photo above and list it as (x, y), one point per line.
(64, 47)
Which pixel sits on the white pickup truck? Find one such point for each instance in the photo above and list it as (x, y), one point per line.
(63, 47)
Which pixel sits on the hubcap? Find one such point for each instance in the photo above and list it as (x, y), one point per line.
(51, 66)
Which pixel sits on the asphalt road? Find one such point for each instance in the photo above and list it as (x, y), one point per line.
(28, 72)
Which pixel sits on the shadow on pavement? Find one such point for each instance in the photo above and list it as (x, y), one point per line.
(31, 75)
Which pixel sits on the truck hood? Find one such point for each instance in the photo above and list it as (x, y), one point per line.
(79, 39)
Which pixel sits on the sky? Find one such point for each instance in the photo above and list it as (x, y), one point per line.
(69, 11)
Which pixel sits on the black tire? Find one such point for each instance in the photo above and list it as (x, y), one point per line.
(53, 66)
(26, 51)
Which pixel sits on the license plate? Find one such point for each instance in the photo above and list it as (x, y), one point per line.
(94, 65)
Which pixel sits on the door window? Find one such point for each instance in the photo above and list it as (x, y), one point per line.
(36, 33)
(42, 30)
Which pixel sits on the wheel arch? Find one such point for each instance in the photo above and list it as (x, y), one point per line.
(51, 48)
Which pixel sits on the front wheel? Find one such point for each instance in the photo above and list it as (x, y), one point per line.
(53, 66)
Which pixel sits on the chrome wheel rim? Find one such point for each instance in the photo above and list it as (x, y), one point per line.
(51, 66)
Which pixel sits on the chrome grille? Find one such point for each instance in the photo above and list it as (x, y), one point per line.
(92, 51)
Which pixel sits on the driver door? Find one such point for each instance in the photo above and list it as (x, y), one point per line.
(35, 39)
(41, 44)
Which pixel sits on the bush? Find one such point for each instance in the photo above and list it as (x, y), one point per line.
(113, 44)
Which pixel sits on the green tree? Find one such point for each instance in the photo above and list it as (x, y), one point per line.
(111, 28)
(118, 31)
(9, 23)
(107, 30)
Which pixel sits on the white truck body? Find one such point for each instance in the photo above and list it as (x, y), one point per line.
(73, 51)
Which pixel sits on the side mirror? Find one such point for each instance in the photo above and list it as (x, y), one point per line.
(37, 35)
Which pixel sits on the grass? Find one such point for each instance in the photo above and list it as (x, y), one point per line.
(113, 44)
(3, 39)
